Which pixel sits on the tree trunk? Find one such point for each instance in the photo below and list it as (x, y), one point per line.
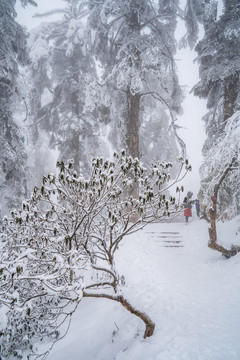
(150, 326)
(132, 124)
(230, 96)
(217, 247)
(213, 218)
(212, 230)
(132, 139)
(133, 100)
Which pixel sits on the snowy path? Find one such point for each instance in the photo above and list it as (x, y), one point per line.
(189, 291)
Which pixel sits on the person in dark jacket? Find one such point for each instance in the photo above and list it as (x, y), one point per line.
(197, 205)
(188, 206)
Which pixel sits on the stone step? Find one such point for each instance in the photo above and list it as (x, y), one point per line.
(166, 238)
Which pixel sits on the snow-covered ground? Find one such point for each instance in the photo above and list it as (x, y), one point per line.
(191, 292)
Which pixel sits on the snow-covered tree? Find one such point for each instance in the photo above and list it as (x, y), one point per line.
(221, 173)
(61, 246)
(113, 63)
(223, 155)
(219, 61)
(219, 68)
(133, 43)
(192, 15)
(12, 152)
(61, 66)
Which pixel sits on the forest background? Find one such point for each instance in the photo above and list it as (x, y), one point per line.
(45, 158)
(191, 125)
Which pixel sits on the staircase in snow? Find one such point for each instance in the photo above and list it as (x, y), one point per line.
(169, 239)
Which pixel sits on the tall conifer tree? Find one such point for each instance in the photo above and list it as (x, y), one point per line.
(133, 40)
(219, 61)
(13, 181)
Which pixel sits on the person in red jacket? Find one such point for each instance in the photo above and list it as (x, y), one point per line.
(188, 206)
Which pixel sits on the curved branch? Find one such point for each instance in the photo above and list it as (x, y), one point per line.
(150, 325)
(50, 13)
(156, 96)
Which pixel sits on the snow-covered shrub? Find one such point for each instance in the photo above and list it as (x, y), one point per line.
(61, 245)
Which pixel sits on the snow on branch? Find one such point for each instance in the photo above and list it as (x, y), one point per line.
(221, 168)
(61, 245)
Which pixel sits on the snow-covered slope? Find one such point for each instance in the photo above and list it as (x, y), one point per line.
(190, 291)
